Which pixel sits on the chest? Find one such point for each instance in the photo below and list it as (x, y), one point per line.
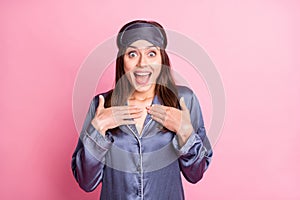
(140, 122)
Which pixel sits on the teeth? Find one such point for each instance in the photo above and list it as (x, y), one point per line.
(142, 73)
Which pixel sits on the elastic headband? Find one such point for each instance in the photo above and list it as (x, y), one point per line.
(141, 31)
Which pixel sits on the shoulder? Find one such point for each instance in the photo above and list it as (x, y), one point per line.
(184, 91)
(189, 96)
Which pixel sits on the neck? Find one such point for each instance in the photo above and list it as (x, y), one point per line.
(142, 96)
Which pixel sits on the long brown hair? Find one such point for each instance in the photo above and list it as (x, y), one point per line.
(165, 87)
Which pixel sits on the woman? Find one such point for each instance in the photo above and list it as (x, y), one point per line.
(138, 137)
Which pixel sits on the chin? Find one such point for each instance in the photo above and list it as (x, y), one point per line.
(145, 88)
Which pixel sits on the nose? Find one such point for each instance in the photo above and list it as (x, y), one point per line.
(142, 60)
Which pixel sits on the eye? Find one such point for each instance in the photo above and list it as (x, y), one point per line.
(152, 53)
(132, 54)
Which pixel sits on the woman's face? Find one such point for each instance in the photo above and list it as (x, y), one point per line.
(142, 65)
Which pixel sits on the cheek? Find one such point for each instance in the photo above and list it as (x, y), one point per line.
(156, 64)
(157, 70)
(127, 69)
(128, 66)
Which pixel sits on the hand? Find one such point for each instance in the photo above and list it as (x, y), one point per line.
(175, 120)
(108, 118)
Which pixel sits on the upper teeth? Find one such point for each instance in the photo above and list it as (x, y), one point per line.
(142, 73)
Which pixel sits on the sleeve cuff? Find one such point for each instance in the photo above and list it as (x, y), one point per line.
(96, 143)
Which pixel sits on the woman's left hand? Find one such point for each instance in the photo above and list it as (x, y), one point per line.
(175, 120)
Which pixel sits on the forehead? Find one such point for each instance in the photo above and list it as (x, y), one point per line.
(140, 44)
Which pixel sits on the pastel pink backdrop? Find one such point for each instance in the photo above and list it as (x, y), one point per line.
(254, 44)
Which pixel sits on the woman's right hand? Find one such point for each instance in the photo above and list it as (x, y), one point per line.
(108, 118)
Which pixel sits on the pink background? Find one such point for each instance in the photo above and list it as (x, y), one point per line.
(254, 44)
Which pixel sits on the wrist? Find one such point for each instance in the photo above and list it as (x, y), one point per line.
(185, 130)
(100, 128)
(102, 131)
(183, 134)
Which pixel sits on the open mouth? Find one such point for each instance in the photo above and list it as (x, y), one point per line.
(142, 78)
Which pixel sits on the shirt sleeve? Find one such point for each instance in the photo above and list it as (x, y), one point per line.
(195, 155)
(89, 156)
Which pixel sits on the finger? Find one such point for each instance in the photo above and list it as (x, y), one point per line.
(182, 104)
(158, 115)
(101, 101)
(127, 122)
(132, 116)
(156, 118)
(133, 110)
(100, 104)
(124, 115)
(128, 112)
(127, 107)
(157, 109)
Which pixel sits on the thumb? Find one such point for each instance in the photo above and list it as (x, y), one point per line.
(101, 102)
(182, 104)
